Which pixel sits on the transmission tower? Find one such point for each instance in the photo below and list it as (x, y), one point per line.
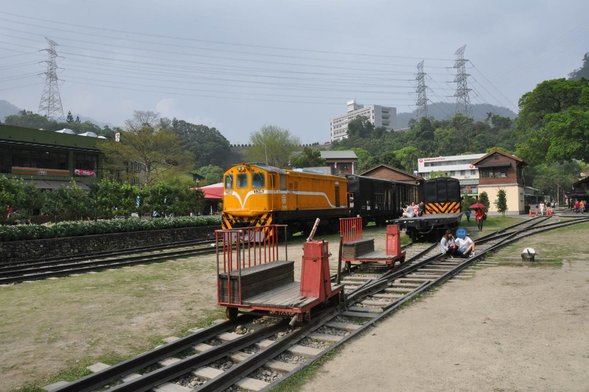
(421, 95)
(462, 98)
(50, 104)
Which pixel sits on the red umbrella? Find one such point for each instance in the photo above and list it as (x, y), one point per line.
(477, 205)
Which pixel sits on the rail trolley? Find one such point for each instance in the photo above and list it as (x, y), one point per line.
(254, 273)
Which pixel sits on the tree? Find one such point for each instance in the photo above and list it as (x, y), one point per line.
(114, 199)
(207, 145)
(309, 157)
(273, 146)
(141, 120)
(171, 199)
(211, 174)
(29, 120)
(408, 158)
(554, 122)
(554, 178)
(484, 199)
(67, 203)
(22, 198)
(360, 127)
(501, 202)
(155, 154)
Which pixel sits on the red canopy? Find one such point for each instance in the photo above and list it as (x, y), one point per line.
(213, 191)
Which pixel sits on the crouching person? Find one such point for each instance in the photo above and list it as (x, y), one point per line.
(448, 245)
(465, 246)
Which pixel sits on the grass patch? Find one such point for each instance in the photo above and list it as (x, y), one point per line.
(78, 369)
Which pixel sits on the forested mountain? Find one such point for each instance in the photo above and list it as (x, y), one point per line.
(7, 109)
(582, 72)
(445, 111)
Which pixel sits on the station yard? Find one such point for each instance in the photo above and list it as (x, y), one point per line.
(509, 327)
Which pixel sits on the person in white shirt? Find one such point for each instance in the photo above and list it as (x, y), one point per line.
(447, 244)
(465, 246)
(409, 212)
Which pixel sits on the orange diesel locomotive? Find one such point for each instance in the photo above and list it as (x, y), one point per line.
(259, 195)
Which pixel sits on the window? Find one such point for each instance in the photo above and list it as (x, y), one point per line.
(242, 180)
(493, 173)
(258, 180)
(229, 182)
(40, 159)
(85, 161)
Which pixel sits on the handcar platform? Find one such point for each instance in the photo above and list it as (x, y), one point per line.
(285, 297)
(252, 275)
(358, 250)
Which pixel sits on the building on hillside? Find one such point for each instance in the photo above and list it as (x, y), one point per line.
(379, 116)
(499, 170)
(47, 159)
(455, 166)
(340, 162)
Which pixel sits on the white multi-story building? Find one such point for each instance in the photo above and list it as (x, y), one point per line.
(455, 166)
(379, 116)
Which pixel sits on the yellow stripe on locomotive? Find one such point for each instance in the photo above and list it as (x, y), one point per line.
(256, 195)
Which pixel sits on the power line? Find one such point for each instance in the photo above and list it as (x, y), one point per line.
(178, 38)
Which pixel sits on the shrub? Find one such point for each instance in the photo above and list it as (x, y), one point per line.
(78, 228)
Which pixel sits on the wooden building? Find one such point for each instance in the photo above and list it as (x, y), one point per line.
(499, 170)
(392, 174)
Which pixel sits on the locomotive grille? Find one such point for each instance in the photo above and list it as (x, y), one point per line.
(231, 222)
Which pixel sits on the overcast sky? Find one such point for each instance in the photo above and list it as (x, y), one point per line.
(240, 65)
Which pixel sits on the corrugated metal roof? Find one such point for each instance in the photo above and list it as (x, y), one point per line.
(338, 155)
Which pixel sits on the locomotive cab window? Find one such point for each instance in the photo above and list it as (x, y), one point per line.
(229, 182)
(242, 180)
(258, 180)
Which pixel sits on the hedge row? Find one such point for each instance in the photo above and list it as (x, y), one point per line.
(79, 228)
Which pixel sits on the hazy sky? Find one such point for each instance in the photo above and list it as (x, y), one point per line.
(240, 65)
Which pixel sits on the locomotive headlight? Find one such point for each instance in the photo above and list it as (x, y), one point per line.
(240, 168)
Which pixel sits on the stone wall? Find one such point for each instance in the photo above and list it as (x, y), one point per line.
(17, 251)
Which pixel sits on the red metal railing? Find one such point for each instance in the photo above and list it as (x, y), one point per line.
(243, 248)
(350, 229)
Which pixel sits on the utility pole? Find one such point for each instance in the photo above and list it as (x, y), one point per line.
(421, 95)
(50, 104)
(462, 98)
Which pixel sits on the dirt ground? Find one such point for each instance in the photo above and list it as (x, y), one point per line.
(508, 328)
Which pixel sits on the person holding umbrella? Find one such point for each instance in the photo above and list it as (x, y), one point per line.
(479, 214)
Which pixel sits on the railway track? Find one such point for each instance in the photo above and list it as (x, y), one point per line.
(257, 352)
(36, 270)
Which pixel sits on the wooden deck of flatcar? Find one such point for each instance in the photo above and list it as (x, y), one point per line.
(286, 296)
(428, 218)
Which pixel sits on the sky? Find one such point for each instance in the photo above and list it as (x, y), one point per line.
(240, 65)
